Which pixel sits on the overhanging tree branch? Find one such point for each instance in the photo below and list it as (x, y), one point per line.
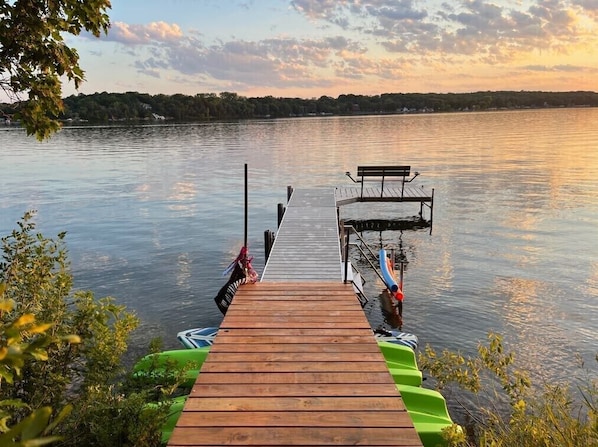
(33, 54)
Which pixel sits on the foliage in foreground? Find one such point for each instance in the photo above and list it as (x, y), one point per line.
(34, 55)
(63, 351)
(522, 415)
(14, 353)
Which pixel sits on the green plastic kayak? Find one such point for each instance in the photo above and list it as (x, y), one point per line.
(162, 366)
(401, 363)
(176, 406)
(428, 412)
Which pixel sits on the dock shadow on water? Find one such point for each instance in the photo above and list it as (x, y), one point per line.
(409, 223)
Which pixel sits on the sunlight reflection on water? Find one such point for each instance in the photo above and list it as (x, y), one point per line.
(155, 213)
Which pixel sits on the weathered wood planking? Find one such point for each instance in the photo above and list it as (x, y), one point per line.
(279, 374)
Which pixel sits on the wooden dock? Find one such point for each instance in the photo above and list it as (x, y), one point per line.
(295, 362)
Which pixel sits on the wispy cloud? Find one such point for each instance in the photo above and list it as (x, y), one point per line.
(129, 34)
(344, 41)
(562, 68)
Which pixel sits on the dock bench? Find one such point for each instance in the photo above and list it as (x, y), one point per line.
(381, 174)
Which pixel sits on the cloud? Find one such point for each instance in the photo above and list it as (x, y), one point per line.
(143, 34)
(372, 40)
(269, 62)
(558, 68)
(320, 9)
(490, 30)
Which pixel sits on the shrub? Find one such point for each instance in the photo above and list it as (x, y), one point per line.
(522, 415)
(47, 370)
(34, 427)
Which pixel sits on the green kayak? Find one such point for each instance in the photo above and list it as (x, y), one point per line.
(400, 360)
(176, 408)
(402, 363)
(165, 365)
(428, 412)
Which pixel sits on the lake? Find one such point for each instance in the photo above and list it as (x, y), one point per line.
(154, 214)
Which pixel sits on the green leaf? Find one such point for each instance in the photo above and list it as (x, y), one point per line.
(64, 413)
(40, 441)
(36, 423)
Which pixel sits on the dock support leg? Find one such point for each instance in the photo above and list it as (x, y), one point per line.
(346, 274)
(281, 210)
(268, 242)
(431, 211)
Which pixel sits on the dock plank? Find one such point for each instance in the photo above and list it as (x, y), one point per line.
(281, 347)
(293, 390)
(296, 419)
(298, 377)
(305, 366)
(294, 436)
(286, 356)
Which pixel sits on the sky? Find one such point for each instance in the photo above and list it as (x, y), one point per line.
(313, 48)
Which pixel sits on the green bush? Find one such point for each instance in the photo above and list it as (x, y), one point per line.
(33, 428)
(41, 368)
(523, 415)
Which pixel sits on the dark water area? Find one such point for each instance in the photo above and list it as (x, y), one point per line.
(154, 214)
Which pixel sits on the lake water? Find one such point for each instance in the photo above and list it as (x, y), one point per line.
(154, 214)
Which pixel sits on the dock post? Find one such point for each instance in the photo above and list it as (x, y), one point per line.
(281, 211)
(268, 242)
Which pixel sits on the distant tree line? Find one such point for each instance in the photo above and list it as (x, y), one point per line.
(133, 106)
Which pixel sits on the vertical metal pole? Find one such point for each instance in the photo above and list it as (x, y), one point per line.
(246, 217)
(347, 256)
(432, 211)
(401, 274)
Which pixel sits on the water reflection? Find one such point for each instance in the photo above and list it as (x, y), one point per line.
(155, 213)
(183, 271)
(534, 325)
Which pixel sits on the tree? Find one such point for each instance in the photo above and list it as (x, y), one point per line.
(34, 56)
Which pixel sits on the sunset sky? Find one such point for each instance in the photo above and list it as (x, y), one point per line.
(309, 48)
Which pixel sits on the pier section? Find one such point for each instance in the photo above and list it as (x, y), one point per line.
(306, 248)
(295, 364)
(295, 361)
